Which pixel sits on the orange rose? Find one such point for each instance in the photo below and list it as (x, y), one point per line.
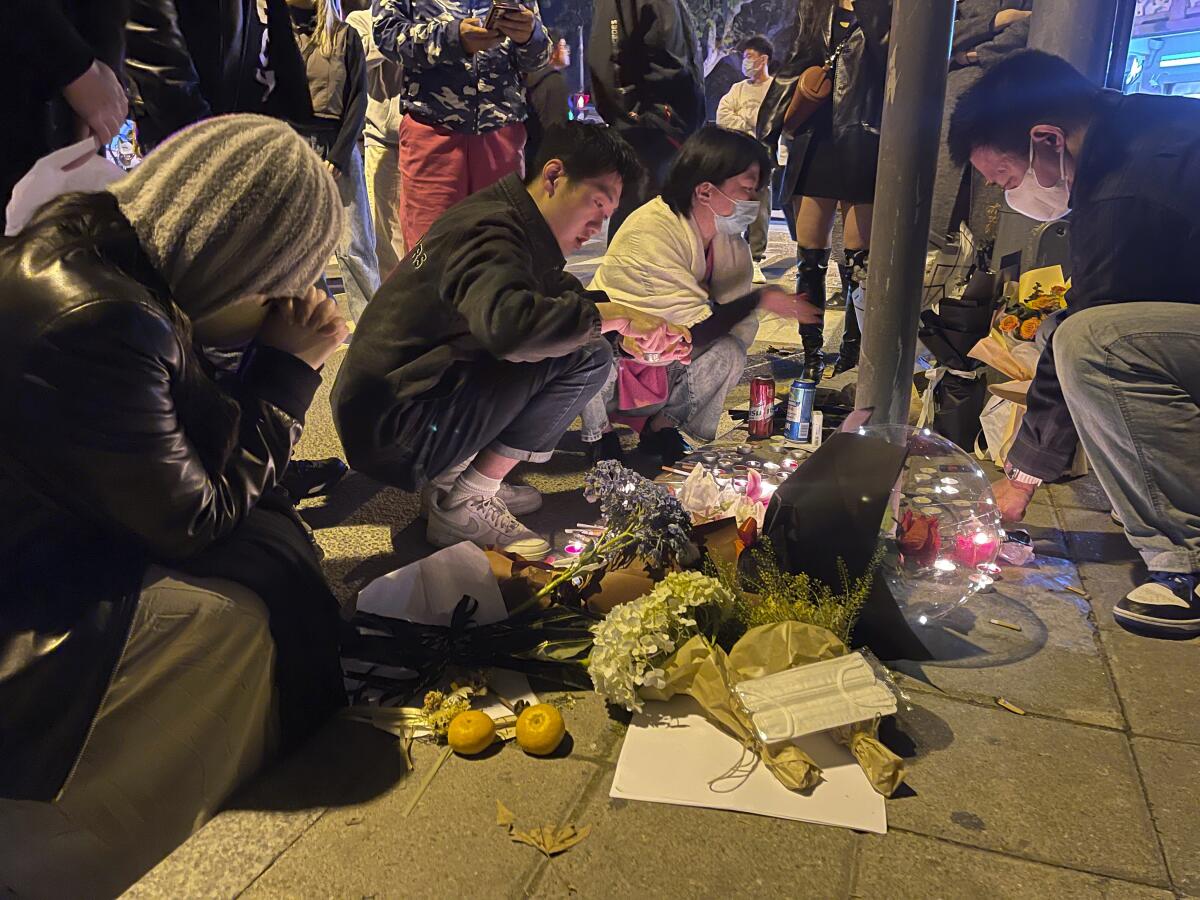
(1044, 302)
(1059, 289)
(1029, 328)
(1009, 324)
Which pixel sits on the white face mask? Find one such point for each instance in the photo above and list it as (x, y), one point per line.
(749, 68)
(744, 213)
(1044, 204)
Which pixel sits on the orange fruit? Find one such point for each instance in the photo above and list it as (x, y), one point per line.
(540, 729)
(471, 732)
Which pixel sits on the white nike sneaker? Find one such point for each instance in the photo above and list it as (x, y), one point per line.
(521, 499)
(484, 521)
(759, 277)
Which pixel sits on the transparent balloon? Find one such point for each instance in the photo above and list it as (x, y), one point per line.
(941, 532)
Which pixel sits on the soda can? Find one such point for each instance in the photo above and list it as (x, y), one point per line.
(800, 409)
(762, 407)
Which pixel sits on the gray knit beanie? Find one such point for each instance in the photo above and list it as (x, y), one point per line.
(232, 206)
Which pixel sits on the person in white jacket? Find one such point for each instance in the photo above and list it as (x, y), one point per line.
(381, 137)
(738, 110)
(681, 260)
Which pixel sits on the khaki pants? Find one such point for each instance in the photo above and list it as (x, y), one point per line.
(187, 718)
(383, 189)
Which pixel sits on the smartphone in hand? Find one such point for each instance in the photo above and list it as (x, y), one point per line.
(498, 10)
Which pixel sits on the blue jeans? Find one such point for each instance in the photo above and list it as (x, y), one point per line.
(355, 250)
(1130, 373)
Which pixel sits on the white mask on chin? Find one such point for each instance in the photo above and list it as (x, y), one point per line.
(1043, 204)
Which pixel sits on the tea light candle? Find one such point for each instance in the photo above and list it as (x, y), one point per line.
(745, 449)
(770, 467)
(991, 570)
(790, 463)
(709, 458)
(574, 548)
(754, 463)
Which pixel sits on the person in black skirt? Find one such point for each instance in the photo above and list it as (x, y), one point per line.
(832, 157)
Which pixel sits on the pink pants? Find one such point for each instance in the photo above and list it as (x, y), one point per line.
(439, 167)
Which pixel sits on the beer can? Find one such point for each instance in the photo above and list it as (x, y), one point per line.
(762, 407)
(799, 412)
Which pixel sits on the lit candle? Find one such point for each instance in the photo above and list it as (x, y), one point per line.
(574, 548)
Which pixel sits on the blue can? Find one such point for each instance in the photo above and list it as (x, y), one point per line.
(799, 412)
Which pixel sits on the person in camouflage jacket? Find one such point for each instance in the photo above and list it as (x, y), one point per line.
(464, 99)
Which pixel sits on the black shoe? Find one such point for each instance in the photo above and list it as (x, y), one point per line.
(1166, 605)
(666, 443)
(608, 447)
(306, 478)
(847, 358)
(814, 365)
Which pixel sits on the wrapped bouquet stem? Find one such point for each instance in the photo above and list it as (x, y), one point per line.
(708, 675)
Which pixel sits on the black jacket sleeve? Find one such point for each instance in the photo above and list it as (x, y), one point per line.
(875, 19)
(725, 316)
(43, 48)
(160, 65)
(974, 24)
(489, 278)
(105, 380)
(354, 105)
(1007, 42)
(651, 74)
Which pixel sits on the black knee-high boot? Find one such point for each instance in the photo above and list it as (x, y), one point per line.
(810, 279)
(854, 279)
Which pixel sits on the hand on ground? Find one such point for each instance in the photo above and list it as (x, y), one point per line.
(309, 327)
(1012, 499)
(99, 102)
(790, 306)
(475, 37)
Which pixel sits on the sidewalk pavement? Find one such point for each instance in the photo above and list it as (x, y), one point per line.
(1095, 792)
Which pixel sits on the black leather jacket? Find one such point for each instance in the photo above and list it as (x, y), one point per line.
(117, 451)
(857, 100)
(191, 59)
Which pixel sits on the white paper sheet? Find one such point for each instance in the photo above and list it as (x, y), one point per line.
(428, 590)
(672, 753)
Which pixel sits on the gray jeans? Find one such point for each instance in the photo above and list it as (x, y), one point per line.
(696, 393)
(760, 229)
(1130, 373)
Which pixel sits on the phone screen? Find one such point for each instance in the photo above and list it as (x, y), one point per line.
(498, 10)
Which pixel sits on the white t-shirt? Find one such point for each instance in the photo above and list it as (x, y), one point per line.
(738, 109)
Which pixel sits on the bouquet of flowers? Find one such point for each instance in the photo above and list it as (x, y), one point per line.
(1023, 316)
(642, 522)
(680, 639)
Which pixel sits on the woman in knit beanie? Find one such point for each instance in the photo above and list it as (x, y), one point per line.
(164, 622)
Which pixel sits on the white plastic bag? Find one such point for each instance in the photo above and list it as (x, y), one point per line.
(47, 180)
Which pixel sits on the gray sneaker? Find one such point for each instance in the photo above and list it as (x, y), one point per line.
(484, 521)
(521, 499)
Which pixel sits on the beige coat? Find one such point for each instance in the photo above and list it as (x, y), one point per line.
(656, 265)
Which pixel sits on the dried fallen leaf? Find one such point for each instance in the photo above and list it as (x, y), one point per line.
(549, 839)
(504, 816)
(1003, 624)
(1011, 707)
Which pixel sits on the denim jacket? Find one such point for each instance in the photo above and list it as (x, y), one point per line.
(446, 86)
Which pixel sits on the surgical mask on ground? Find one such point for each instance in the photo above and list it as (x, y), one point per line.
(1044, 204)
(744, 213)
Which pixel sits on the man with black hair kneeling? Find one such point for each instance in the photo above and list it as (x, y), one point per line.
(1122, 369)
(480, 351)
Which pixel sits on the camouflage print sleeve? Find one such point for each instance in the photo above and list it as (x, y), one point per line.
(535, 52)
(416, 34)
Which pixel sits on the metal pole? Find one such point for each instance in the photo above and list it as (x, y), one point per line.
(1080, 31)
(1122, 33)
(908, 150)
